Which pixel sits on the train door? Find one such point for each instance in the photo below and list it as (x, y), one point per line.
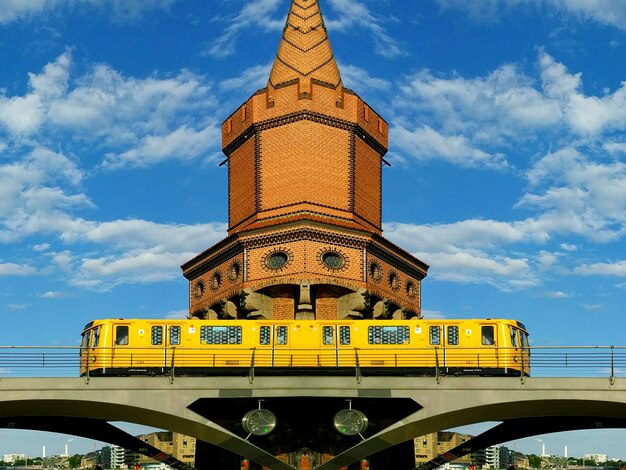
(451, 340)
(335, 346)
(121, 354)
(518, 354)
(163, 339)
(273, 346)
(280, 347)
(93, 354)
(489, 356)
(445, 340)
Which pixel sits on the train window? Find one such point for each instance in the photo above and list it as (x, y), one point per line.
(435, 335)
(525, 343)
(453, 335)
(265, 335)
(174, 335)
(121, 335)
(388, 334)
(220, 335)
(328, 336)
(157, 335)
(513, 332)
(488, 335)
(85, 341)
(281, 335)
(96, 337)
(344, 335)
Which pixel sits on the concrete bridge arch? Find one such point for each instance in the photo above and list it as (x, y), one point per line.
(538, 406)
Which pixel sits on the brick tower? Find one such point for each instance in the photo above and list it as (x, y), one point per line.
(305, 160)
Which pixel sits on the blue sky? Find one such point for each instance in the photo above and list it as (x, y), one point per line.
(507, 144)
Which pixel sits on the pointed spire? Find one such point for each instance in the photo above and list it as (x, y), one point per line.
(304, 52)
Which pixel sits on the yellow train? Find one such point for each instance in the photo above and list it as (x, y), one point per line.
(232, 347)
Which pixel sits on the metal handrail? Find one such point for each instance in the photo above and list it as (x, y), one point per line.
(542, 361)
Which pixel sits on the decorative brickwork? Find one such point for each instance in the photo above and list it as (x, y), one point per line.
(305, 160)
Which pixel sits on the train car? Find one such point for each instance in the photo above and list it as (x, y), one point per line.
(371, 347)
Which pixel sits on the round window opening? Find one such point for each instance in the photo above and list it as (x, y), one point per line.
(233, 272)
(199, 289)
(277, 260)
(411, 289)
(376, 271)
(216, 281)
(394, 282)
(333, 260)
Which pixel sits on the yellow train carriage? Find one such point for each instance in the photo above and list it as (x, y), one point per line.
(391, 347)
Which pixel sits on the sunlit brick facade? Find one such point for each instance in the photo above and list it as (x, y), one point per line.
(305, 158)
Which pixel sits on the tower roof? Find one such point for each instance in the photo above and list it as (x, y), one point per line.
(304, 52)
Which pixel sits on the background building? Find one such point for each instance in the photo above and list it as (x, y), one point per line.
(177, 445)
(497, 456)
(12, 458)
(431, 445)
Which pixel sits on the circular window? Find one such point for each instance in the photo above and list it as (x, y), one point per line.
(411, 289)
(216, 281)
(277, 260)
(333, 260)
(376, 272)
(198, 290)
(394, 281)
(233, 271)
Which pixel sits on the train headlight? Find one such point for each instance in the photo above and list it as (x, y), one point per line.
(516, 358)
(259, 422)
(93, 358)
(350, 422)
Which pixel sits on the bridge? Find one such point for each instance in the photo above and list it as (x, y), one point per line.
(401, 408)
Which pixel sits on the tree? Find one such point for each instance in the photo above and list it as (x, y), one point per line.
(534, 461)
(74, 461)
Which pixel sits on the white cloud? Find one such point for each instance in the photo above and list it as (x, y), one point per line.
(357, 78)
(586, 115)
(140, 121)
(504, 103)
(555, 295)
(608, 12)
(470, 251)
(356, 14)
(267, 16)
(21, 115)
(54, 295)
(254, 14)
(181, 144)
(250, 79)
(617, 269)
(138, 251)
(592, 306)
(37, 188)
(578, 195)
(27, 9)
(425, 143)
(12, 269)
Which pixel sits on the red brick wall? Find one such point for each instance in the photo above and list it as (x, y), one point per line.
(241, 184)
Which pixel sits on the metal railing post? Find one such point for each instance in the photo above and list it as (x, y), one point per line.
(359, 375)
(523, 375)
(612, 378)
(86, 365)
(437, 375)
(172, 370)
(251, 371)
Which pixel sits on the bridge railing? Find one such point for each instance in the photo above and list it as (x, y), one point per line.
(540, 361)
